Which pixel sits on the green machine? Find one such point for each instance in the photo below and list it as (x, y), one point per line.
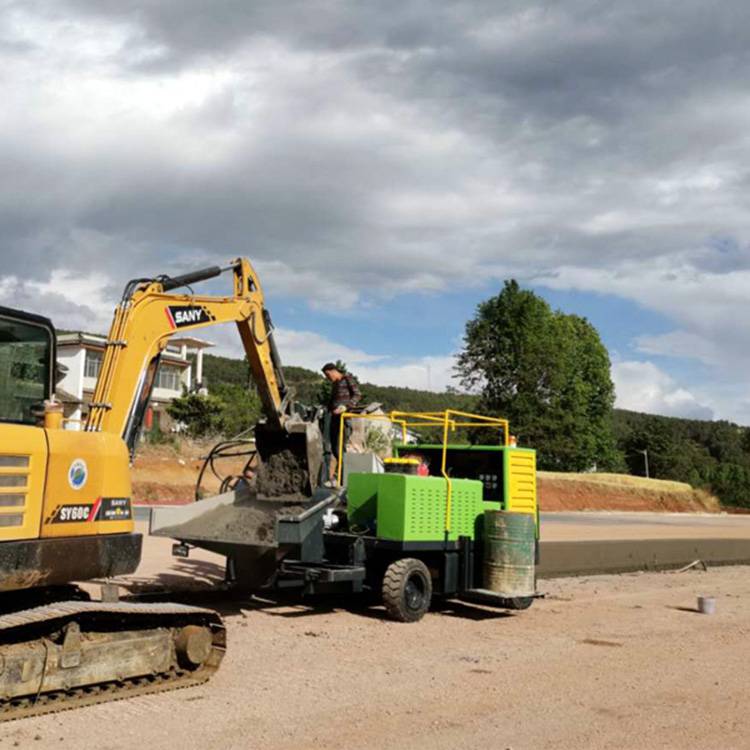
(454, 520)
(446, 520)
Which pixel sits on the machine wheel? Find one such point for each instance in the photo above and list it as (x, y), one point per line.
(518, 602)
(407, 590)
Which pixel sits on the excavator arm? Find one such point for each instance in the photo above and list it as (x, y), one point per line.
(150, 312)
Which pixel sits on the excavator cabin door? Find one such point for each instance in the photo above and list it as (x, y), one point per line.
(27, 356)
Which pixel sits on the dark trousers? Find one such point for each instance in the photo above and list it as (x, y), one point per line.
(331, 433)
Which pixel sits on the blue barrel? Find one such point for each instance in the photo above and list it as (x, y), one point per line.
(509, 545)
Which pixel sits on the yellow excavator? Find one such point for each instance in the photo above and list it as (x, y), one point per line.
(65, 499)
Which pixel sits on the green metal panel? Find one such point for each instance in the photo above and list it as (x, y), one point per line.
(362, 495)
(413, 509)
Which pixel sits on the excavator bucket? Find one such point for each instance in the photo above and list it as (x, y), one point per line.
(291, 458)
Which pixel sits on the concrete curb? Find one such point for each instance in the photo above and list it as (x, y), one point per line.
(143, 512)
(559, 559)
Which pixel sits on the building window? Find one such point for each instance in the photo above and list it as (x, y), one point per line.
(169, 379)
(93, 364)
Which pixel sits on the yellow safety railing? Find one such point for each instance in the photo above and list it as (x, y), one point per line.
(450, 420)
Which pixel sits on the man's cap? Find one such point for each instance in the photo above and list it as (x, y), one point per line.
(329, 366)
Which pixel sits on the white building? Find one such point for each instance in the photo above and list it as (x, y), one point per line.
(82, 355)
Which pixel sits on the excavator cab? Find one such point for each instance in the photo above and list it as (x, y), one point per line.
(27, 345)
(27, 354)
(65, 496)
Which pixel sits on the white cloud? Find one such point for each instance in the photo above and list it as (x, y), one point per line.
(687, 345)
(708, 306)
(642, 386)
(69, 299)
(424, 373)
(311, 350)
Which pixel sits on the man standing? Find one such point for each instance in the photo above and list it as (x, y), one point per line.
(345, 395)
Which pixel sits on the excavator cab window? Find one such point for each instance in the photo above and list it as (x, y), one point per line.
(26, 356)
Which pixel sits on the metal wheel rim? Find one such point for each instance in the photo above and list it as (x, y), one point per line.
(414, 592)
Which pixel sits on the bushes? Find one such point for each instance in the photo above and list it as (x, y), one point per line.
(228, 410)
(710, 455)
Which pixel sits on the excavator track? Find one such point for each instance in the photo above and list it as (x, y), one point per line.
(75, 653)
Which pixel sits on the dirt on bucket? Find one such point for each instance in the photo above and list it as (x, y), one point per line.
(278, 490)
(283, 474)
(248, 520)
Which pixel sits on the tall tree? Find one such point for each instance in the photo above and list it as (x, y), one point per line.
(548, 373)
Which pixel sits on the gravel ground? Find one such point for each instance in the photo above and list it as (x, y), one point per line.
(601, 662)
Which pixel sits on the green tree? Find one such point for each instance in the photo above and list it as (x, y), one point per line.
(548, 373)
(199, 414)
(241, 408)
(229, 410)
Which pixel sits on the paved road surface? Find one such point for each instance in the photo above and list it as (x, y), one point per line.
(604, 525)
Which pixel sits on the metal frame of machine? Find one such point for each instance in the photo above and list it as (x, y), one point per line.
(324, 550)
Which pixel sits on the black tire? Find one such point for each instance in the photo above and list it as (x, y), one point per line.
(407, 590)
(518, 602)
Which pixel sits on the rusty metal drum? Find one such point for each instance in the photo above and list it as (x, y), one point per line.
(509, 547)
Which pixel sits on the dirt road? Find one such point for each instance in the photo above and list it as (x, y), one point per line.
(606, 662)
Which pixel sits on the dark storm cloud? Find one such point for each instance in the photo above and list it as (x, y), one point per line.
(557, 60)
(577, 103)
(190, 28)
(360, 149)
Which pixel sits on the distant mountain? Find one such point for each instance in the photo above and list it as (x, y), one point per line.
(308, 383)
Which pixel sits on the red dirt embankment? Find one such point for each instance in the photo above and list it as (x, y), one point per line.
(620, 492)
(166, 474)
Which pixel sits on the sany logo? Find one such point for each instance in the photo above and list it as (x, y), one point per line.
(78, 473)
(185, 317)
(180, 316)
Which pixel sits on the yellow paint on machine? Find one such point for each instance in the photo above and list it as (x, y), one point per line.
(520, 472)
(23, 457)
(84, 469)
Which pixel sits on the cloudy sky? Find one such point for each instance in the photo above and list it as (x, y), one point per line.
(386, 165)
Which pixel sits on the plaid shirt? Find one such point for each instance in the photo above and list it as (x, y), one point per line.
(345, 392)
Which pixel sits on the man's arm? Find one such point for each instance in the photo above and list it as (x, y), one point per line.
(355, 395)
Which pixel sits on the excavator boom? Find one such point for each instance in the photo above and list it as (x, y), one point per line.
(150, 312)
